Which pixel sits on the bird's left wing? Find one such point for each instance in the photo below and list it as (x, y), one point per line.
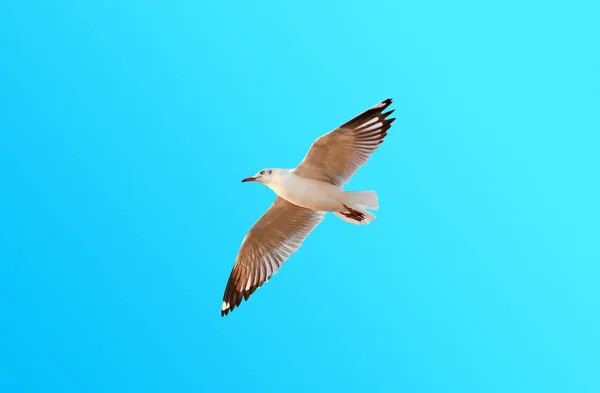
(269, 243)
(336, 156)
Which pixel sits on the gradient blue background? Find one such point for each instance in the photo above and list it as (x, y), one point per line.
(126, 127)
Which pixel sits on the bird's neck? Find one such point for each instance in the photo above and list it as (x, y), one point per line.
(279, 179)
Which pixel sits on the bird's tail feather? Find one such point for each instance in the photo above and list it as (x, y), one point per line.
(367, 199)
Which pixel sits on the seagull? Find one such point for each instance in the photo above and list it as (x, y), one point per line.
(304, 195)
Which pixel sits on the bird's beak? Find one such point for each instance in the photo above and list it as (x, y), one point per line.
(249, 179)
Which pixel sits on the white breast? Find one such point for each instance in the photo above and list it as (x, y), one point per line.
(309, 193)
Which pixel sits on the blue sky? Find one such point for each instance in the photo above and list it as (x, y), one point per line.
(126, 127)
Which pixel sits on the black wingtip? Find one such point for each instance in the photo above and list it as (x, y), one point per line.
(384, 104)
(386, 114)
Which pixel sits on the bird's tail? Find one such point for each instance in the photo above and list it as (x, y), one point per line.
(367, 199)
(356, 204)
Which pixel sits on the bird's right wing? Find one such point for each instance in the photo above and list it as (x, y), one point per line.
(269, 243)
(336, 156)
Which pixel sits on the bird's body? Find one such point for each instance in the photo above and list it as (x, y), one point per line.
(306, 192)
(304, 195)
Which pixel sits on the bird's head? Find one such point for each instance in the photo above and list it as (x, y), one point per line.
(265, 176)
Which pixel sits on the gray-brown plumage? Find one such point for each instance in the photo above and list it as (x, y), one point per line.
(336, 156)
(273, 238)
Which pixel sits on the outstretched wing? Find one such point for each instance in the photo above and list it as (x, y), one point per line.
(336, 156)
(269, 243)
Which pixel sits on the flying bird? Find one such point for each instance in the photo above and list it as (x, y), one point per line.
(304, 195)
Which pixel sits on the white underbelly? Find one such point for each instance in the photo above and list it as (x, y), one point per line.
(312, 194)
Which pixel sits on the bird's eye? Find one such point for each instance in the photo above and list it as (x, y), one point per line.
(270, 171)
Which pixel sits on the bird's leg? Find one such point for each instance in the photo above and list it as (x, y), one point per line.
(353, 214)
